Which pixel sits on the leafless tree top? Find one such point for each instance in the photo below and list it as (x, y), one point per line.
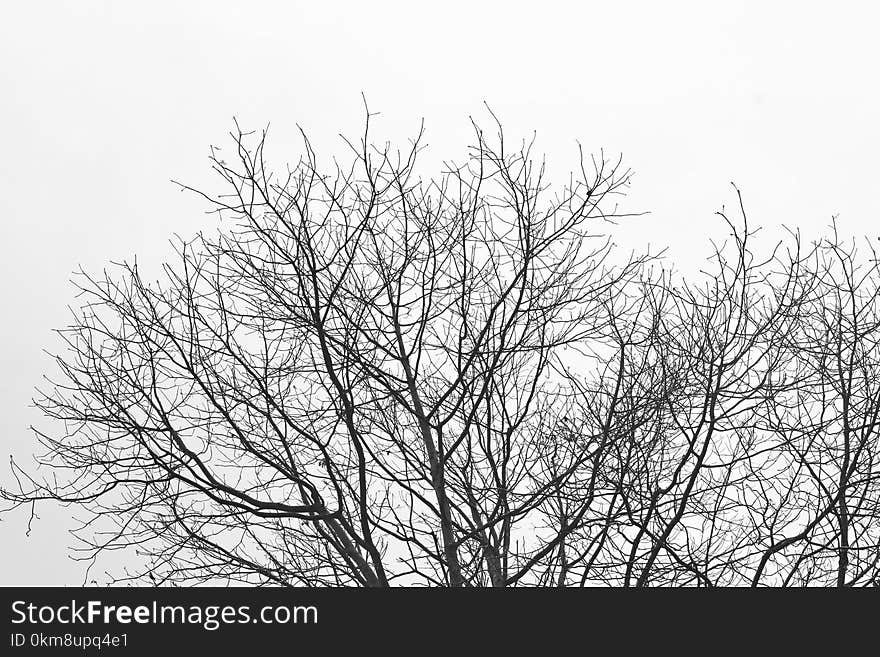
(367, 378)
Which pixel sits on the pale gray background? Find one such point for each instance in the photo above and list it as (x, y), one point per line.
(102, 103)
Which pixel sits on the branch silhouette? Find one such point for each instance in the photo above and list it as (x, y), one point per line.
(367, 378)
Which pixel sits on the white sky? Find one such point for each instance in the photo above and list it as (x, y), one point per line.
(103, 103)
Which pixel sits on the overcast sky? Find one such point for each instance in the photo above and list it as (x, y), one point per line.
(103, 103)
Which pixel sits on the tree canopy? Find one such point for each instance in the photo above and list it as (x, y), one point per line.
(367, 378)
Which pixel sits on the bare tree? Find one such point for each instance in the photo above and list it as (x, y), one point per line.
(824, 526)
(694, 366)
(350, 386)
(368, 378)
